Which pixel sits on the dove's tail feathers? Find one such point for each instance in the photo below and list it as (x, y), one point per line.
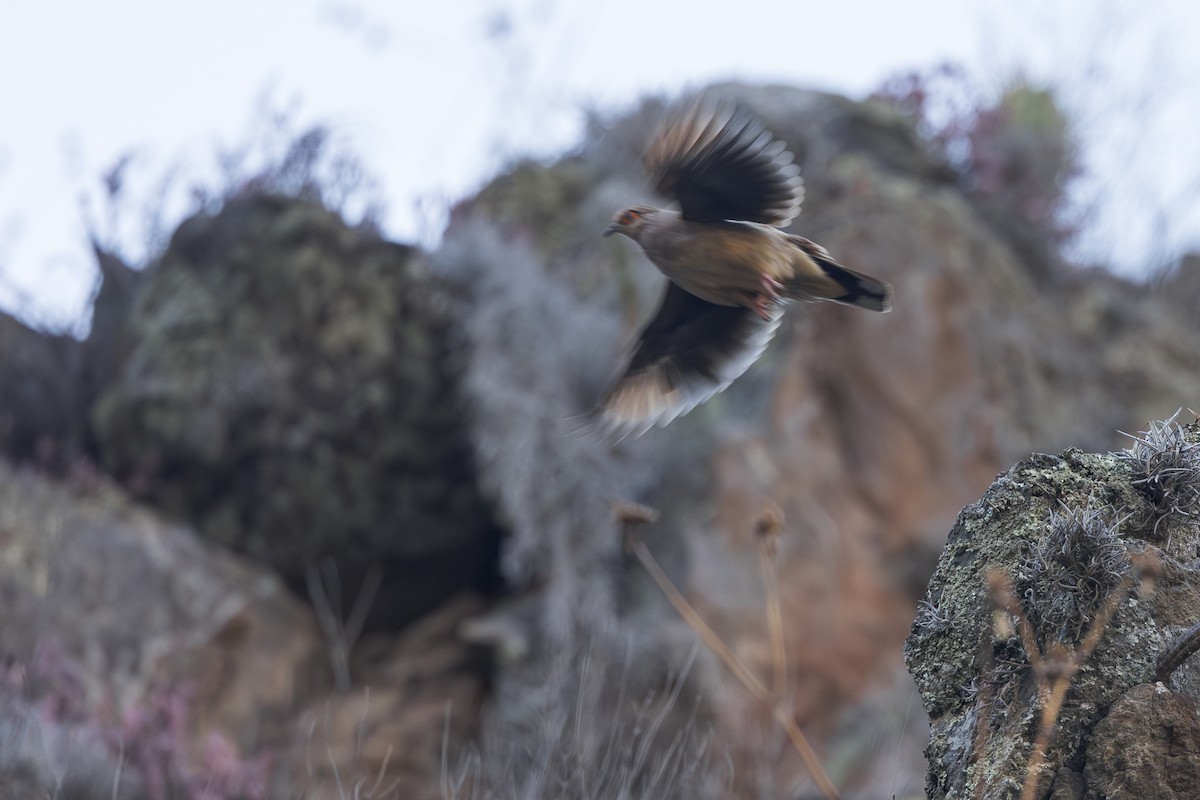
(856, 288)
(861, 290)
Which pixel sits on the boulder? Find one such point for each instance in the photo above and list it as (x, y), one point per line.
(1148, 746)
(128, 637)
(1061, 555)
(287, 386)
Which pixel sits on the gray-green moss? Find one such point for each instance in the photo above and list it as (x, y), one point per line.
(289, 385)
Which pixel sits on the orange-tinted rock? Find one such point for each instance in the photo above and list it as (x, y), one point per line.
(1148, 746)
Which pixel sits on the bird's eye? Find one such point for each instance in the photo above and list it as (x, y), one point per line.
(630, 217)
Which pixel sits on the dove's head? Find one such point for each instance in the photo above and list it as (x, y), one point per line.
(632, 221)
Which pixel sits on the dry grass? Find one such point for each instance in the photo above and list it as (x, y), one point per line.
(1054, 668)
(769, 526)
(341, 630)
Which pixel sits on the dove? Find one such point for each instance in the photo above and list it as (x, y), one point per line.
(730, 268)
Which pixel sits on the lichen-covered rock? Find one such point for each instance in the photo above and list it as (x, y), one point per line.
(288, 386)
(1063, 537)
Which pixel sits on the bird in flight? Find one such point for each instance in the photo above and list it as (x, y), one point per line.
(730, 268)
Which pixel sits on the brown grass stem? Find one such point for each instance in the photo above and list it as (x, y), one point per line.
(774, 622)
(1062, 664)
(747, 678)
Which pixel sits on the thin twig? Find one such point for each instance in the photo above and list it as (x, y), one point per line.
(1174, 656)
(984, 701)
(120, 769)
(341, 632)
(337, 775)
(1100, 623)
(1062, 664)
(768, 528)
(747, 678)
(383, 765)
(693, 618)
(1049, 721)
(1003, 597)
(446, 790)
(775, 626)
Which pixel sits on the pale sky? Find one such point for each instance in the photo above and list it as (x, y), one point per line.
(435, 97)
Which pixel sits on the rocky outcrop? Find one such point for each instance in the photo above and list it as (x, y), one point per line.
(49, 381)
(300, 389)
(40, 404)
(869, 432)
(1077, 569)
(138, 660)
(127, 637)
(288, 386)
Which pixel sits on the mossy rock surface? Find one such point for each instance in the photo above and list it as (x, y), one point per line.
(975, 677)
(288, 385)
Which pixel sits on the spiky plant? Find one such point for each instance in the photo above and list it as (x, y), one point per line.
(1070, 571)
(1167, 461)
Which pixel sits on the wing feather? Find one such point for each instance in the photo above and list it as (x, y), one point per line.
(688, 352)
(720, 164)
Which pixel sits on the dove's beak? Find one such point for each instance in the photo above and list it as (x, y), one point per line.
(610, 230)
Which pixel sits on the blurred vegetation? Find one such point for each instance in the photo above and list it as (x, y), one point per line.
(1016, 156)
(276, 154)
(533, 197)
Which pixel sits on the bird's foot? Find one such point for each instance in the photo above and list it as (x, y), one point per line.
(771, 287)
(764, 305)
(764, 302)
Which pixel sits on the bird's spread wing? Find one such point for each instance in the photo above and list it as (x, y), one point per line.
(688, 352)
(720, 163)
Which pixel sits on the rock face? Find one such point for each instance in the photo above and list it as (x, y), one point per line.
(123, 634)
(288, 386)
(299, 389)
(50, 381)
(40, 405)
(133, 647)
(1147, 746)
(869, 432)
(1068, 541)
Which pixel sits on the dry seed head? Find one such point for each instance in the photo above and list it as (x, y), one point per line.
(769, 526)
(1000, 589)
(1002, 625)
(1058, 662)
(1148, 567)
(634, 513)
